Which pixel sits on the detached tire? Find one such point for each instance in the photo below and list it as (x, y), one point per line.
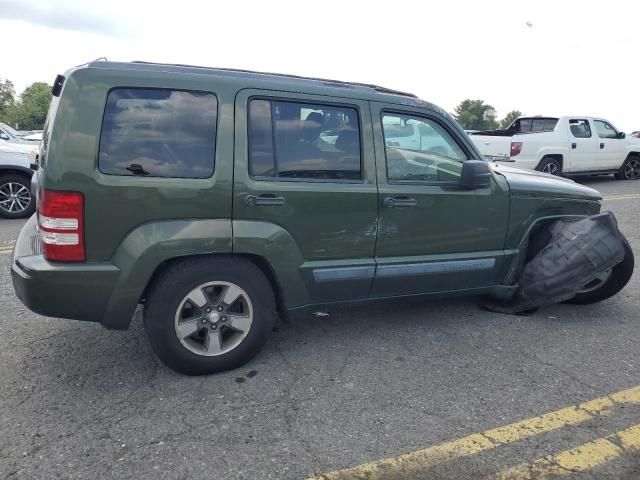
(206, 315)
(630, 169)
(620, 276)
(550, 165)
(16, 200)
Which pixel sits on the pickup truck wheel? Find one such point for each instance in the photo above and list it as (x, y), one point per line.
(630, 169)
(16, 200)
(209, 314)
(608, 283)
(550, 165)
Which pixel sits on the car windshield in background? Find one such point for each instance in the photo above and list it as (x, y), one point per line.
(11, 131)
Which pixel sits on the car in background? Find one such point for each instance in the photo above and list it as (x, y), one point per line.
(570, 145)
(17, 199)
(636, 134)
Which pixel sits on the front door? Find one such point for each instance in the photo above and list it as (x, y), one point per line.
(611, 148)
(433, 235)
(305, 194)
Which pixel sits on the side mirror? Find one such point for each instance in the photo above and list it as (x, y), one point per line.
(475, 174)
(621, 134)
(4, 136)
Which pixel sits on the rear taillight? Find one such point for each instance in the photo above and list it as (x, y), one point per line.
(516, 148)
(61, 223)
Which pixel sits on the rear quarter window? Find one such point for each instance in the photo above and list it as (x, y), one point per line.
(158, 133)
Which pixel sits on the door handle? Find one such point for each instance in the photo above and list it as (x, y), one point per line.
(267, 199)
(391, 202)
(602, 145)
(574, 145)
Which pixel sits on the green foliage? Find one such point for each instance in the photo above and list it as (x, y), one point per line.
(509, 118)
(476, 115)
(7, 96)
(31, 111)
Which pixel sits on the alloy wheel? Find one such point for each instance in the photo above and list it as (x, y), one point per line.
(214, 318)
(632, 169)
(14, 197)
(597, 282)
(551, 168)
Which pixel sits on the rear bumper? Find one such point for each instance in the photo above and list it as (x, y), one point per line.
(65, 290)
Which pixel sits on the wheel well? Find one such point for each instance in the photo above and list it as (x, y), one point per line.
(539, 237)
(15, 171)
(257, 260)
(555, 156)
(632, 154)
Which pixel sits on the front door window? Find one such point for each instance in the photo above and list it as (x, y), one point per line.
(418, 149)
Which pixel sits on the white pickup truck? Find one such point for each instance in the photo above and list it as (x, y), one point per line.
(563, 146)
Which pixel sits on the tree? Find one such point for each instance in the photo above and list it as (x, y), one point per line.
(7, 96)
(30, 112)
(476, 115)
(509, 118)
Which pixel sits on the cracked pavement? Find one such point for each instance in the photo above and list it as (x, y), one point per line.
(327, 392)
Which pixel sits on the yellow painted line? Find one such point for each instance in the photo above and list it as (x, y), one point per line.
(4, 250)
(579, 459)
(630, 196)
(411, 464)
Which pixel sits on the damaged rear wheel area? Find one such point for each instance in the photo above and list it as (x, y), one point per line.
(607, 286)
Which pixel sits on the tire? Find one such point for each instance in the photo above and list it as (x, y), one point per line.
(167, 301)
(620, 276)
(16, 200)
(551, 166)
(630, 169)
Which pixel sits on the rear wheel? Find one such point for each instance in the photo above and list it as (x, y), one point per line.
(550, 165)
(608, 283)
(16, 200)
(210, 314)
(630, 169)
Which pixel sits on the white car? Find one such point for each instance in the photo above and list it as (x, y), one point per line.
(572, 145)
(16, 198)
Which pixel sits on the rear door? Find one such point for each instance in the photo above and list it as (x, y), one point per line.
(584, 148)
(433, 235)
(305, 169)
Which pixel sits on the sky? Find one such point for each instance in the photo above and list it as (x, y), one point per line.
(540, 57)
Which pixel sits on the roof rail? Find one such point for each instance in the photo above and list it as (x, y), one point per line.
(300, 77)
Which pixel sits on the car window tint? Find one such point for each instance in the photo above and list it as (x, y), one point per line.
(303, 141)
(535, 125)
(605, 130)
(429, 153)
(580, 128)
(158, 133)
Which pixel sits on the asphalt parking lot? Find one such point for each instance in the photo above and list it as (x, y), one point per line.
(445, 382)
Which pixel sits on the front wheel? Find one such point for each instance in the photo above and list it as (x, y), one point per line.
(551, 166)
(608, 283)
(205, 315)
(630, 169)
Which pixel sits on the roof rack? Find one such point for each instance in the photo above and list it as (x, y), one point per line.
(300, 77)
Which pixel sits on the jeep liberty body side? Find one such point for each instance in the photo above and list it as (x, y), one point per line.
(218, 197)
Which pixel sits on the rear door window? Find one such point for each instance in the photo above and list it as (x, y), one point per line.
(158, 133)
(291, 140)
(580, 128)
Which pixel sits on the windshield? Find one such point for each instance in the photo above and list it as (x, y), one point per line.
(11, 131)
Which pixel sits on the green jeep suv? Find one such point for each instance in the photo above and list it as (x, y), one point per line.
(220, 198)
